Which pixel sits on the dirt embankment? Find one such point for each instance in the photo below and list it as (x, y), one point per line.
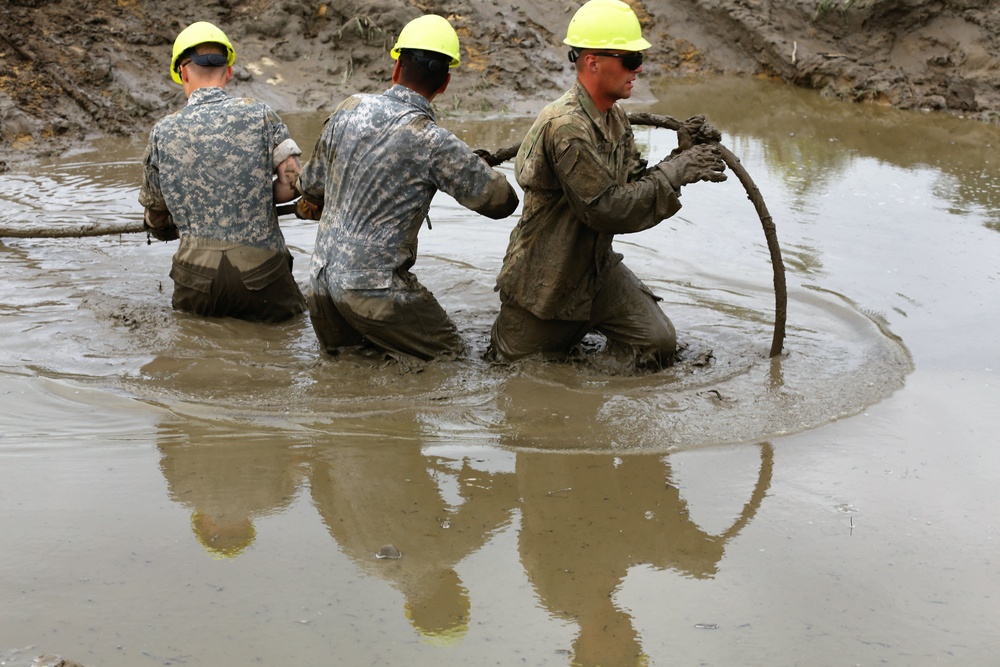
(74, 69)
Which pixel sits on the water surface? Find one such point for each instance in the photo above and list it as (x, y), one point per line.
(184, 491)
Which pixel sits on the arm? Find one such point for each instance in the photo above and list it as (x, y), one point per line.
(285, 184)
(607, 206)
(156, 218)
(467, 177)
(596, 196)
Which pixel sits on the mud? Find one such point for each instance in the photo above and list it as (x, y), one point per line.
(183, 491)
(73, 70)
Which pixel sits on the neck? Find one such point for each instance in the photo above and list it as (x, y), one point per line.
(602, 101)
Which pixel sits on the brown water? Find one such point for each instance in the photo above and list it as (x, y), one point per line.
(185, 491)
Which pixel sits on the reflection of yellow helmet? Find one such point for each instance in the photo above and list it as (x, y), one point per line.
(606, 24)
(429, 33)
(438, 608)
(223, 539)
(193, 35)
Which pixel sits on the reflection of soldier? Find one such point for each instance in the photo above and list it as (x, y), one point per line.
(226, 483)
(588, 518)
(393, 495)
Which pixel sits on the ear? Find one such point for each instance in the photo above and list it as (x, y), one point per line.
(444, 86)
(397, 72)
(229, 74)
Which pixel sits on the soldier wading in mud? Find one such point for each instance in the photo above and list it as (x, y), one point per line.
(208, 177)
(584, 182)
(370, 182)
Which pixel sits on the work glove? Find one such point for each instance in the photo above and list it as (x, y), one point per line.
(696, 130)
(160, 225)
(308, 208)
(702, 162)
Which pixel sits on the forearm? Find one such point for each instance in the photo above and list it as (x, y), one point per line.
(633, 207)
(287, 175)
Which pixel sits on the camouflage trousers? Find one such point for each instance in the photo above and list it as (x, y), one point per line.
(624, 310)
(403, 319)
(267, 293)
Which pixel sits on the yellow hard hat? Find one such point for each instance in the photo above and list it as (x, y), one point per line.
(605, 24)
(429, 33)
(193, 35)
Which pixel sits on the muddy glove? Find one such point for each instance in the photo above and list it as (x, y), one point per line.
(160, 225)
(696, 130)
(308, 208)
(702, 162)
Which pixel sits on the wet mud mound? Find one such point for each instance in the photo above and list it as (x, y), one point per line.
(72, 70)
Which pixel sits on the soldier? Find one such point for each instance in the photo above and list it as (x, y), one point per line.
(209, 178)
(370, 182)
(584, 181)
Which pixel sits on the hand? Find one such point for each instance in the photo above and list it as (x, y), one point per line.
(696, 130)
(308, 208)
(702, 162)
(160, 225)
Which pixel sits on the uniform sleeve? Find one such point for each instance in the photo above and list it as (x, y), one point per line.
(312, 179)
(596, 197)
(150, 194)
(282, 144)
(466, 177)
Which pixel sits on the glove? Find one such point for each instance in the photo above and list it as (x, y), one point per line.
(696, 130)
(699, 163)
(160, 225)
(308, 208)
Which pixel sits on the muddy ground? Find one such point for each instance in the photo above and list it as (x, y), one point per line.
(74, 69)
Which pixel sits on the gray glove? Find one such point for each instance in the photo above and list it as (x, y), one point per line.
(702, 162)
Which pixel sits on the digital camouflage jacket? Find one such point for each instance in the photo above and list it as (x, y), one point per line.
(376, 167)
(211, 166)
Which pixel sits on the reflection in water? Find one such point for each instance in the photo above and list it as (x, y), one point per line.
(434, 511)
(583, 521)
(588, 519)
(226, 480)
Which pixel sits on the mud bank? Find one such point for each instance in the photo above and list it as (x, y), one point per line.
(71, 70)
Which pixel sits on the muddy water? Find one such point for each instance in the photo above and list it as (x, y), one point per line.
(185, 491)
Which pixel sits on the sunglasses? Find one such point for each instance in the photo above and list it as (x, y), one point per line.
(630, 61)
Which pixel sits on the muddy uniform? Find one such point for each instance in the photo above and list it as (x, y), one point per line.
(376, 167)
(584, 182)
(211, 165)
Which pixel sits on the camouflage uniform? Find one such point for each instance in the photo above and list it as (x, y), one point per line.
(584, 182)
(211, 166)
(376, 168)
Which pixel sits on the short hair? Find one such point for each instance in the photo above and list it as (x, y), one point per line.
(425, 70)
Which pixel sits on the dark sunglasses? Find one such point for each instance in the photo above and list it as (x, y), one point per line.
(630, 61)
